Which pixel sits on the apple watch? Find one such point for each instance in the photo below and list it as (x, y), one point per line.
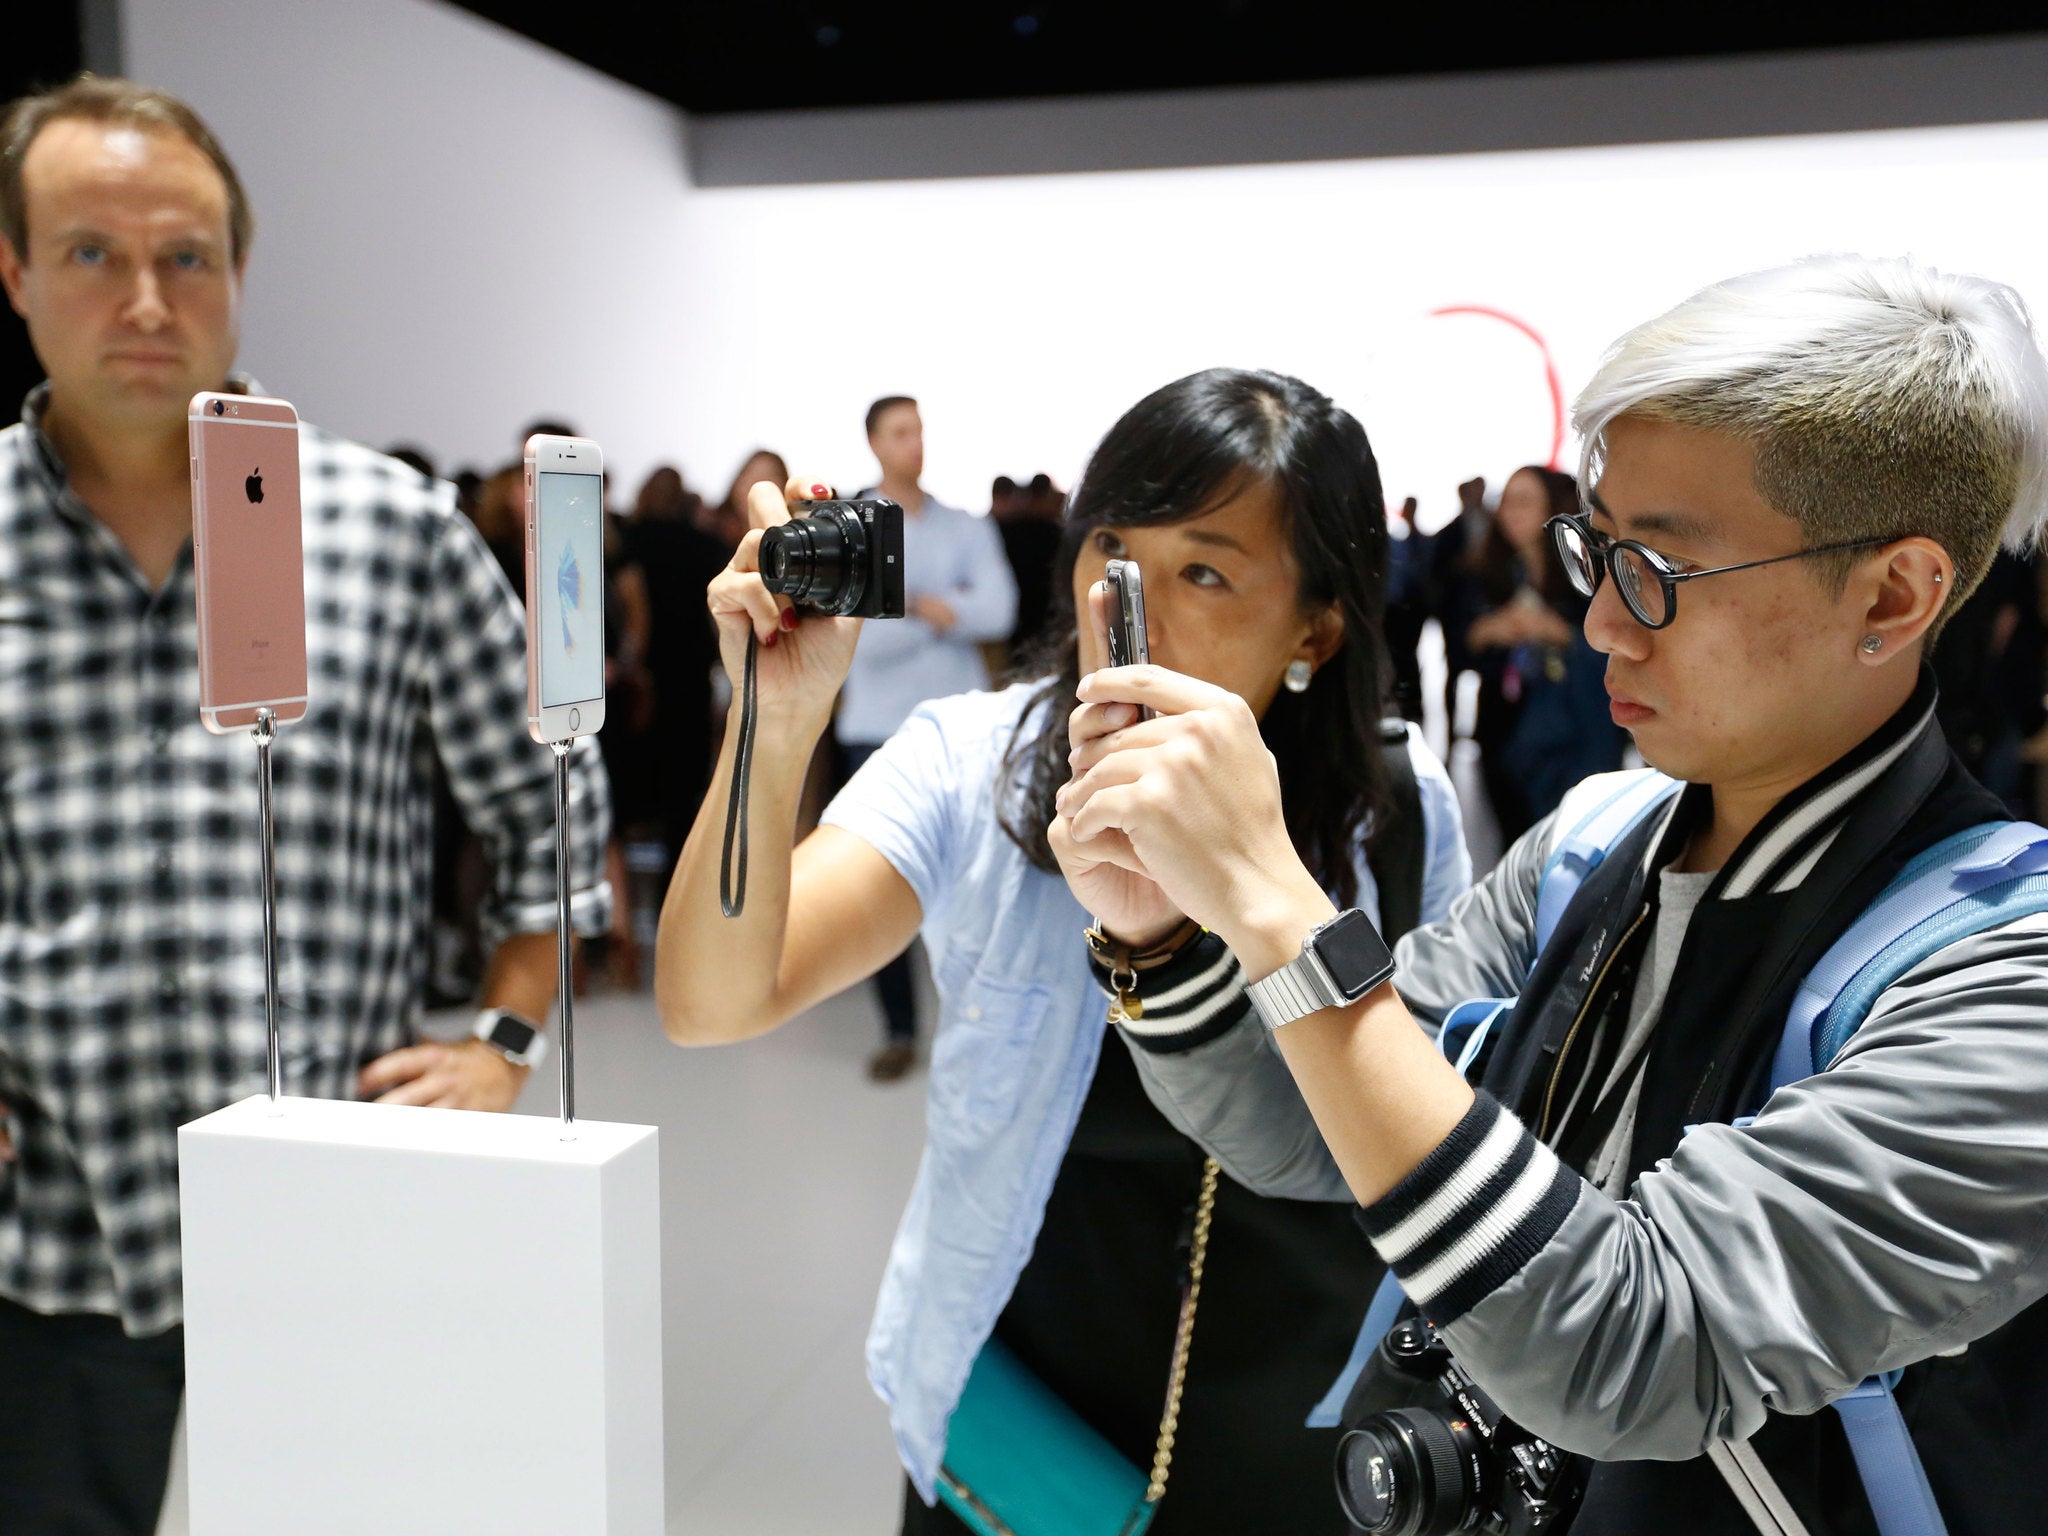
(1339, 963)
(518, 1040)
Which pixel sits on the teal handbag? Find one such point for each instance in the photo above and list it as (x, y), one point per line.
(1019, 1462)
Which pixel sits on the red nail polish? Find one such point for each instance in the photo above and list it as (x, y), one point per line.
(769, 643)
(821, 490)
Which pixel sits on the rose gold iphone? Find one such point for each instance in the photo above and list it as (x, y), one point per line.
(248, 560)
(564, 588)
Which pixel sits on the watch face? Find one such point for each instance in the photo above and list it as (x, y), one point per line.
(1354, 954)
(512, 1036)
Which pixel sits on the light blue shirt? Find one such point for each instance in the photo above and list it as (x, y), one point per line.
(948, 554)
(1019, 1029)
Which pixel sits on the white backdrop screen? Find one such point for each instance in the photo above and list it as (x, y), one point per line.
(1026, 313)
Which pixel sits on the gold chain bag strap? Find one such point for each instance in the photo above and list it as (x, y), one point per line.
(1124, 965)
(1184, 1334)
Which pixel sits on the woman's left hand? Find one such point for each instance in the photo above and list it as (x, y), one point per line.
(1194, 794)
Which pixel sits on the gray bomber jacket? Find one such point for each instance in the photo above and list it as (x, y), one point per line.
(1889, 1210)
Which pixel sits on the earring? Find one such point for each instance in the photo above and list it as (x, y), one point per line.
(1872, 644)
(1297, 676)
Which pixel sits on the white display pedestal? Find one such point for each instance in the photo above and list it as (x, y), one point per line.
(427, 1321)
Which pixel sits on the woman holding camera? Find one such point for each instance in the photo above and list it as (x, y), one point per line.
(1053, 1198)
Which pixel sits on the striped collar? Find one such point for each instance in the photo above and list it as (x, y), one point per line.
(1783, 848)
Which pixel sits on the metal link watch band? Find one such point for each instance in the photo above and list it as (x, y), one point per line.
(1299, 988)
(1340, 961)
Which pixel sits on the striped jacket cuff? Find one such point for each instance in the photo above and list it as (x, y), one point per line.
(1472, 1213)
(1194, 997)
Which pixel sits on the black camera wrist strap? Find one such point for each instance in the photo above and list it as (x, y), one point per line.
(732, 883)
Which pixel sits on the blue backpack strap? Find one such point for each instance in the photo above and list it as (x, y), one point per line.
(1978, 879)
(1894, 1481)
(1619, 801)
(1580, 851)
(1463, 1035)
(1379, 1317)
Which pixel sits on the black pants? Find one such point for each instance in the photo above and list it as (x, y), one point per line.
(86, 1420)
(894, 982)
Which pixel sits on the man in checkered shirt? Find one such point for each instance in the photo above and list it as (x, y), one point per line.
(131, 951)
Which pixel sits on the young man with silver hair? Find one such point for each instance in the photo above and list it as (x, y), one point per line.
(1636, 1247)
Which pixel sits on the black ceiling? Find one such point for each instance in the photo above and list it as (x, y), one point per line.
(756, 55)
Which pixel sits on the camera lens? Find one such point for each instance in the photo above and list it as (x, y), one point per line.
(819, 561)
(1409, 1472)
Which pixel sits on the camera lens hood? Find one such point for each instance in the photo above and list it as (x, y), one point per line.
(1405, 1473)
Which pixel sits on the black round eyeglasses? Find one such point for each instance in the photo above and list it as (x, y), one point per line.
(1647, 581)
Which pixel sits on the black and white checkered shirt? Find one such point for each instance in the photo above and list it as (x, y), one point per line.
(131, 938)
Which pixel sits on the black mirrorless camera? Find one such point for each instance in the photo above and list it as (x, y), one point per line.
(839, 557)
(1457, 1465)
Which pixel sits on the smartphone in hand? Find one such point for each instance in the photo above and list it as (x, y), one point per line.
(1128, 646)
(248, 559)
(564, 588)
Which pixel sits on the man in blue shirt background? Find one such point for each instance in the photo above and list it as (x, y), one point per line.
(958, 593)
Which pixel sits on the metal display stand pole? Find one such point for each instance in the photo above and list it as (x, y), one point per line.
(266, 734)
(562, 939)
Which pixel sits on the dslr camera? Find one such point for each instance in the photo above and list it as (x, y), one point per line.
(1447, 1459)
(844, 558)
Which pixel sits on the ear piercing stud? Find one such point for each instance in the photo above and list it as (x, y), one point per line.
(1296, 678)
(1872, 644)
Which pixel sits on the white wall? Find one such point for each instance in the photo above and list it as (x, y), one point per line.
(395, 148)
(457, 230)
